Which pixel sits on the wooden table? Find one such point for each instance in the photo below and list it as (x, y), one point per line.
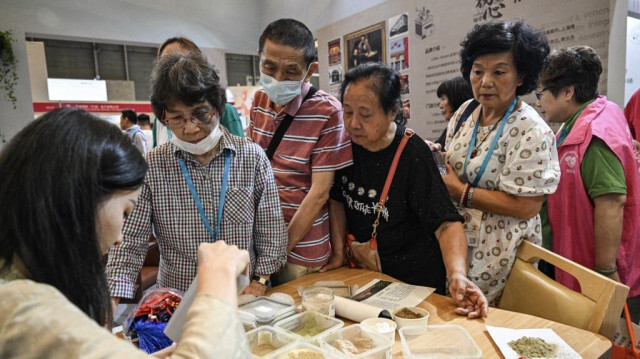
(441, 311)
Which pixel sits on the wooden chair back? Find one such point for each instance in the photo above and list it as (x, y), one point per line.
(597, 308)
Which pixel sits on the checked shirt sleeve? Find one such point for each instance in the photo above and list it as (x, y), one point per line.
(126, 259)
(269, 231)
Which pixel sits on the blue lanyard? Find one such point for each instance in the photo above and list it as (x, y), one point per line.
(563, 131)
(563, 134)
(487, 157)
(223, 193)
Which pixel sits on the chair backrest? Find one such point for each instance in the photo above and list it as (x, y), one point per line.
(529, 291)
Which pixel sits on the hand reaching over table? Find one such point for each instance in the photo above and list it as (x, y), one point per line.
(468, 297)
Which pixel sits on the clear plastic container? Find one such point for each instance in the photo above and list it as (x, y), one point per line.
(300, 350)
(319, 299)
(355, 342)
(265, 310)
(309, 326)
(438, 341)
(338, 287)
(438, 157)
(266, 340)
(248, 321)
(383, 326)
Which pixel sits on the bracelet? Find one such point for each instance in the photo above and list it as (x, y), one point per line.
(463, 198)
(466, 196)
(470, 197)
(605, 272)
(461, 201)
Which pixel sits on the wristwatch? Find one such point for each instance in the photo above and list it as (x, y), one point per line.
(261, 280)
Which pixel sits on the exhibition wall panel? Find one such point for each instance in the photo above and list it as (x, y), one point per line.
(421, 38)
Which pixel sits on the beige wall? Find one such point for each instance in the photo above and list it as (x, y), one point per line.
(218, 27)
(435, 57)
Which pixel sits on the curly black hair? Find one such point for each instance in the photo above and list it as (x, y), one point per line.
(528, 45)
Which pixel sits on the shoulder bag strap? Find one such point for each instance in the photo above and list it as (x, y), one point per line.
(632, 335)
(385, 190)
(466, 113)
(279, 134)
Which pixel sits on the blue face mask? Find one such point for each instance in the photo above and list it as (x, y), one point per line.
(280, 92)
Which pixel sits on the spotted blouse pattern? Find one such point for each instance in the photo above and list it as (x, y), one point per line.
(523, 163)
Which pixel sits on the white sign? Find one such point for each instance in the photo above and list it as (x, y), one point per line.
(435, 29)
(632, 80)
(77, 90)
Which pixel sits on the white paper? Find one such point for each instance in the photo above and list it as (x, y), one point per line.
(391, 295)
(621, 337)
(356, 311)
(76, 90)
(174, 327)
(502, 337)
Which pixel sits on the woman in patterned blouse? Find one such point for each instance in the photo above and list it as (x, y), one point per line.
(502, 159)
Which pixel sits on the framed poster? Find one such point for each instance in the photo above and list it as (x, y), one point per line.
(399, 53)
(365, 45)
(334, 52)
(399, 25)
(335, 75)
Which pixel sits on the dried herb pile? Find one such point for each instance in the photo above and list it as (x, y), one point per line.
(533, 347)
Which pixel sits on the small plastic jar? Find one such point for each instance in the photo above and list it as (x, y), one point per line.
(386, 327)
(320, 300)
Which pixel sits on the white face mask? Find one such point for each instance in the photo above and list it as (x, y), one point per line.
(281, 92)
(203, 146)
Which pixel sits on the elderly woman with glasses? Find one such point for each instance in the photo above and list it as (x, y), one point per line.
(501, 156)
(594, 216)
(202, 186)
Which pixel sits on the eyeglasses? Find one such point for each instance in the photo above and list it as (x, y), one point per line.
(539, 93)
(202, 117)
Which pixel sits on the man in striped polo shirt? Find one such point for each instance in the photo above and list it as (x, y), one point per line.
(314, 146)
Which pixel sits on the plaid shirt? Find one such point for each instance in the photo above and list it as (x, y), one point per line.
(252, 218)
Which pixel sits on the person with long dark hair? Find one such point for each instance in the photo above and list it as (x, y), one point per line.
(420, 239)
(452, 94)
(67, 180)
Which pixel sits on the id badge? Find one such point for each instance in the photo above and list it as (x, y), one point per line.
(472, 225)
